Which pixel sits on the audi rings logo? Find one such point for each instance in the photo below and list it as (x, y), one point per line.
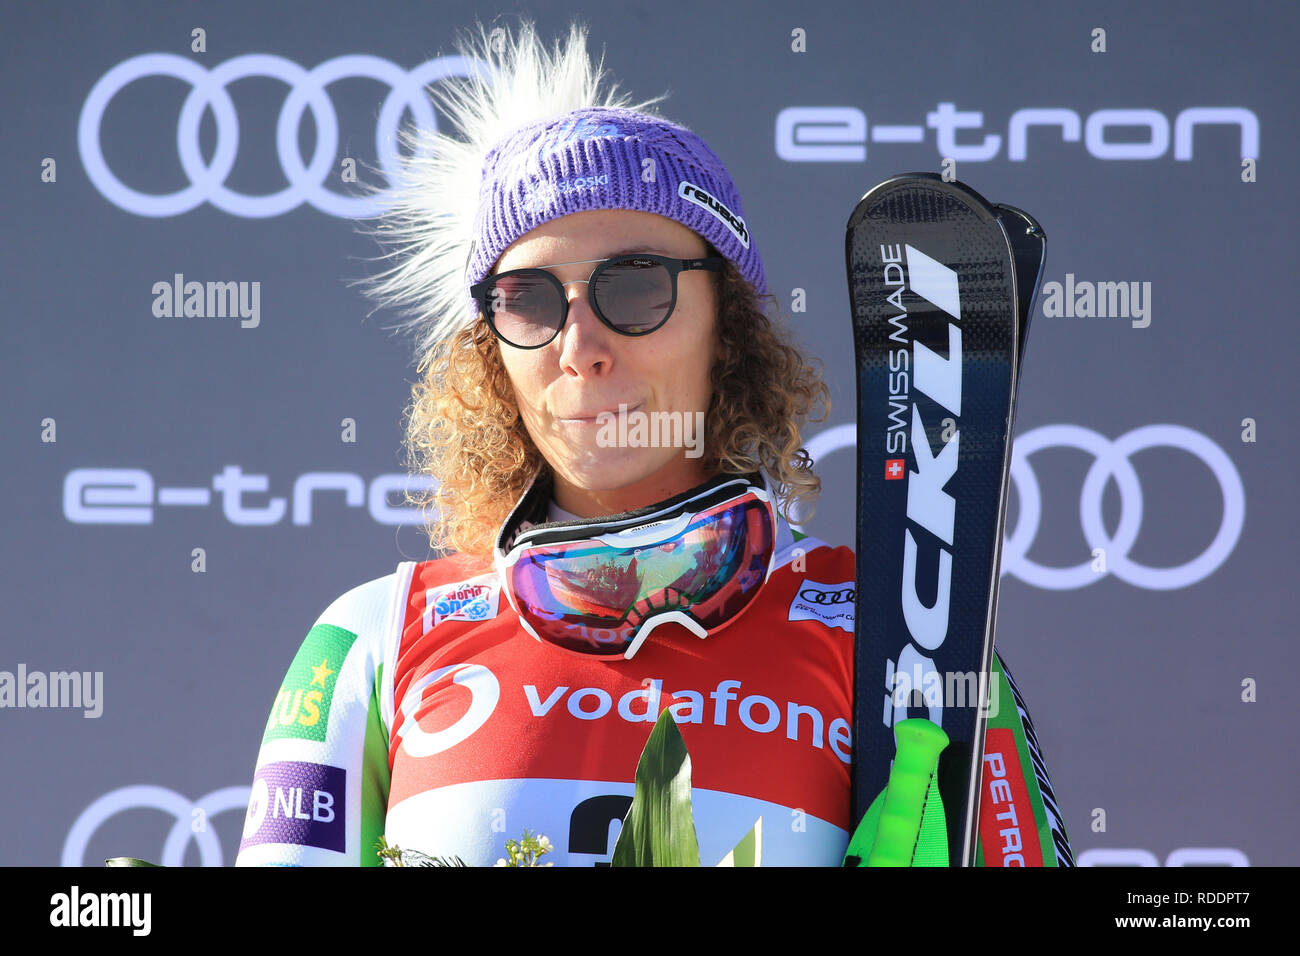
(1111, 459)
(827, 597)
(191, 822)
(485, 691)
(208, 90)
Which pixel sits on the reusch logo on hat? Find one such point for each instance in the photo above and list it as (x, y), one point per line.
(704, 199)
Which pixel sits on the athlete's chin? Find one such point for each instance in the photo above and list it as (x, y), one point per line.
(615, 469)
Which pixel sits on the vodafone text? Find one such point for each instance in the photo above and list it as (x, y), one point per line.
(755, 711)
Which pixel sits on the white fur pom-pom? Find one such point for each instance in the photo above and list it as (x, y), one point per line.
(429, 211)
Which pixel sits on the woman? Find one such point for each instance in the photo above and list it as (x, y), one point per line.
(614, 427)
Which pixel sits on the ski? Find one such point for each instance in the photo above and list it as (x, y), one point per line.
(940, 283)
(1029, 247)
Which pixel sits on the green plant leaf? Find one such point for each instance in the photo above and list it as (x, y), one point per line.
(659, 829)
(749, 851)
(128, 861)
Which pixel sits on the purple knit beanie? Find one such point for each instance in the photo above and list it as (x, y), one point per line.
(606, 158)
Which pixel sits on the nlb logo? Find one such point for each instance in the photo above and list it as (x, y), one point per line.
(755, 712)
(297, 803)
(485, 692)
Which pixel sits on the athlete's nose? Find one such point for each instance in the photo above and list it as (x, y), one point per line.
(584, 343)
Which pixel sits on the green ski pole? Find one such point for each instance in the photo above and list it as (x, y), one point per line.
(891, 828)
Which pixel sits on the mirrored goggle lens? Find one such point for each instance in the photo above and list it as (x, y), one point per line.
(634, 294)
(526, 309)
(594, 597)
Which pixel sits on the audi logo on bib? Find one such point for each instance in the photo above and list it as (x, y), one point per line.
(1112, 459)
(307, 92)
(828, 597)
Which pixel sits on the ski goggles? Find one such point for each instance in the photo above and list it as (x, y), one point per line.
(632, 294)
(600, 587)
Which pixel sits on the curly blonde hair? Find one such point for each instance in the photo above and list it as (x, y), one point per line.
(464, 429)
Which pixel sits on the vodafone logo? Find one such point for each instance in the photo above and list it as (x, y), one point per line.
(485, 692)
(725, 704)
(755, 712)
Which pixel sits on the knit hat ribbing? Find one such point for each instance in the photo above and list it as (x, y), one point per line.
(607, 158)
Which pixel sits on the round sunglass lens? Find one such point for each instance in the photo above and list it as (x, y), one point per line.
(634, 294)
(525, 309)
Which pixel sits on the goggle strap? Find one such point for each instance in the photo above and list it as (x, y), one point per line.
(681, 617)
(702, 497)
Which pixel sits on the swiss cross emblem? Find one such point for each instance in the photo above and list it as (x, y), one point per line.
(895, 468)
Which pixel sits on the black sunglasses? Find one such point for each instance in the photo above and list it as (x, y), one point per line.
(632, 294)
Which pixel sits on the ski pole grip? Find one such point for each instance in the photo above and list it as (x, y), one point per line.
(918, 745)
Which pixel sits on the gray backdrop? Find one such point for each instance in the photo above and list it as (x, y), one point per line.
(1135, 677)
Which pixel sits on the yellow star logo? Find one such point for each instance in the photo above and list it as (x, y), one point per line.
(320, 672)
